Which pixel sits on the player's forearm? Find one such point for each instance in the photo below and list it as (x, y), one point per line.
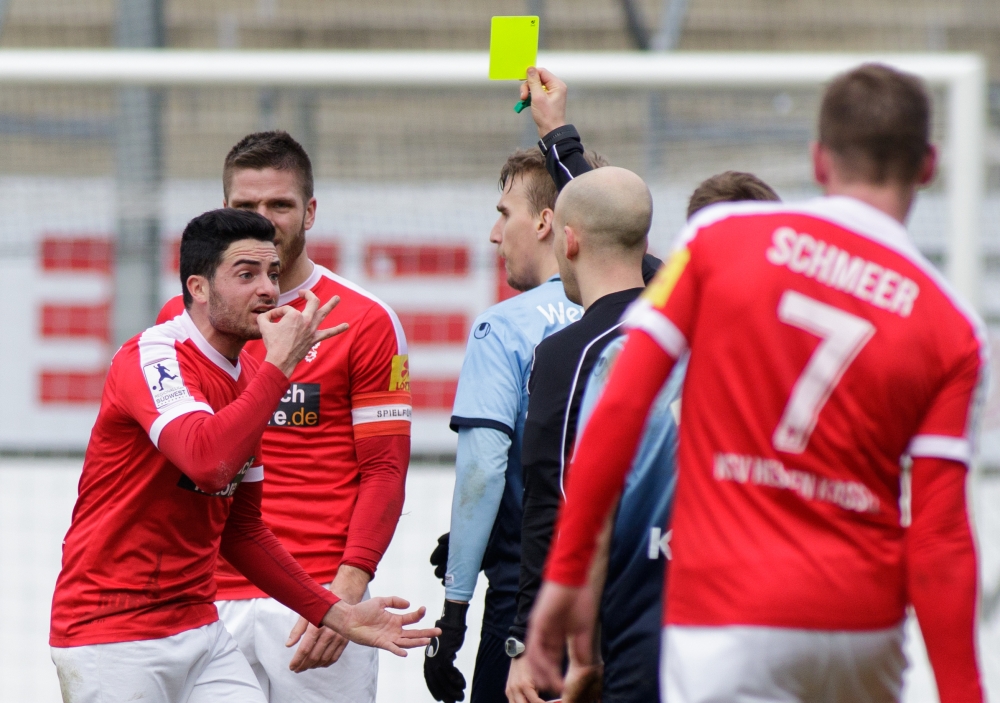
(942, 577)
(211, 449)
(604, 454)
(480, 468)
(564, 155)
(253, 550)
(382, 464)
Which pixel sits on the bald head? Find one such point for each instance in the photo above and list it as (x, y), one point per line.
(609, 207)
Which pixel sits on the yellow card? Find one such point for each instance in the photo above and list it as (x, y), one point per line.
(513, 47)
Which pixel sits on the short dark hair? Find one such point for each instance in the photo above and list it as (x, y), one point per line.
(274, 149)
(877, 121)
(539, 186)
(729, 187)
(207, 237)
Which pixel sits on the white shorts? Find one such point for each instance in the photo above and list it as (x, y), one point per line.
(261, 626)
(202, 665)
(754, 664)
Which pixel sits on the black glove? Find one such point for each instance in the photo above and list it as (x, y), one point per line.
(444, 681)
(439, 559)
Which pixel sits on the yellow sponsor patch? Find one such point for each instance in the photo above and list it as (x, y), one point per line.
(400, 378)
(662, 286)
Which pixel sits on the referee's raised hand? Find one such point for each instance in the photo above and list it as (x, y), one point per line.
(548, 99)
(289, 334)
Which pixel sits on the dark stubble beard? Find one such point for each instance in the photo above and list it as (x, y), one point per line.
(229, 320)
(295, 246)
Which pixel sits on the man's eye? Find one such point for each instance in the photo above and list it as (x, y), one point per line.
(246, 275)
(274, 277)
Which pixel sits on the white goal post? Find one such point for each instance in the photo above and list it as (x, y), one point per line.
(961, 76)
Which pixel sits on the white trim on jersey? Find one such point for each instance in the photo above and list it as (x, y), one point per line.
(254, 474)
(569, 406)
(156, 429)
(642, 316)
(941, 447)
(395, 412)
(323, 272)
(210, 352)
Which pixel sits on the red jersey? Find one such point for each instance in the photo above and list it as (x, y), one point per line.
(824, 348)
(352, 387)
(140, 555)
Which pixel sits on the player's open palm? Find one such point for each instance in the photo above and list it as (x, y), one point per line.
(289, 334)
(371, 624)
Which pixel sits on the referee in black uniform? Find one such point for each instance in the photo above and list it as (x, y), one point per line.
(601, 223)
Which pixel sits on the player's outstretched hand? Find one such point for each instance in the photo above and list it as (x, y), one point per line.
(319, 647)
(371, 624)
(289, 334)
(548, 99)
(561, 614)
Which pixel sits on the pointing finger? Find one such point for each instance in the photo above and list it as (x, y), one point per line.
(415, 616)
(424, 634)
(331, 332)
(395, 602)
(327, 307)
(312, 303)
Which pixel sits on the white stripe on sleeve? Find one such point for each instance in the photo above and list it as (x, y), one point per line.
(172, 414)
(381, 413)
(254, 474)
(642, 316)
(941, 447)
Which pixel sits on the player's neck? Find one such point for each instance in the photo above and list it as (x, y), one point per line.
(295, 273)
(228, 345)
(547, 270)
(892, 199)
(599, 279)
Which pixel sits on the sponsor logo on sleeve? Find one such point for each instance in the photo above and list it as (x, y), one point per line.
(299, 407)
(659, 290)
(188, 485)
(482, 330)
(399, 380)
(163, 377)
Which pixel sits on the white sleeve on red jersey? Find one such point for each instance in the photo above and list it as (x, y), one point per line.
(151, 386)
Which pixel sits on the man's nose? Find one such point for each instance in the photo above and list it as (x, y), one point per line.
(268, 288)
(496, 234)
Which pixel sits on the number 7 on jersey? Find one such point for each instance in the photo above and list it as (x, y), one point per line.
(842, 336)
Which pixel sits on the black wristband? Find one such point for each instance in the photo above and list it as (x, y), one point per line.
(567, 131)
(454, 613)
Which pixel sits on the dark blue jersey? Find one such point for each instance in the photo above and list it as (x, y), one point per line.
(632, 602)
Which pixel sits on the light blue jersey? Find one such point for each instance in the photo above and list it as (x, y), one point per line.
(493, 394)
(631, 604)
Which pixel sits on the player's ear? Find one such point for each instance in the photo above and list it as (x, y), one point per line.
(310, 217)
(928, 167)
(198, 288)
(543, 225)
(572, 243)
(821, 163)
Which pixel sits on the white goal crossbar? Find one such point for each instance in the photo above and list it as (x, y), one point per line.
(961, 76)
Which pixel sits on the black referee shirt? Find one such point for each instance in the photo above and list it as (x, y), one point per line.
(562, 365)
